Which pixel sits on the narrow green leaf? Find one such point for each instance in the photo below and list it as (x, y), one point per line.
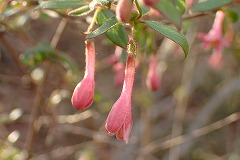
(36, 54)
(170, 33)
(60, 4)
(103, 28)
(167, 8)
(180, 5)
(100, 2)
(233, 15)
(209, 5)
(139, 8)
(84, 10)
(116, 34)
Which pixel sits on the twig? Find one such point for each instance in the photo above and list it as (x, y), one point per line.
(155, 147)
(210, 108)
(189, 16)
(60, 152)
(13, 53)
(39, 92)
(182, 99)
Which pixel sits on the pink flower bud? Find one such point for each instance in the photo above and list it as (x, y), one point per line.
(153, 81)
(214, 38)
(123, 10)
(189, 3)
(83, 93)
(150, 3)
(119, 120)
(216, 59)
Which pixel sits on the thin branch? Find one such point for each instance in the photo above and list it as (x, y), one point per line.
(13, 53)
(39, 92)
(182, 99)
(155, 147)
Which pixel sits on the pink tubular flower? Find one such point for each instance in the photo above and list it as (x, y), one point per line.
(215, 38)
(216, 59)
(119, 120)
(189, 3)
(83, 93)
(153, 81)
(150, 3)
(123, 10)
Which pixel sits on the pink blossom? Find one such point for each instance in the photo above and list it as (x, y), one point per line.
(150, 3)
(123, 10)
(83, 93)
(153, 80)
(216, 59)
(119, 120)
(189, 3)
(215, 38)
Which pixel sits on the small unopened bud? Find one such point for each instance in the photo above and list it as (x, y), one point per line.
(150, 3)
(123, 10)
(83, 94)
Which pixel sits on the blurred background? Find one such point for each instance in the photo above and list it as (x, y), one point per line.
(194, 115)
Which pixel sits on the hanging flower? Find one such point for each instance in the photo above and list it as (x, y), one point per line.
(215, 38)
(83, 94)
(149, 3)
(153, 80)
(119, 120)
(216, 59)
(123, 10)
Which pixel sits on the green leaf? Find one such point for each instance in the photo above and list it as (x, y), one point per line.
(170, 33)
(232, 15)
(167, 8)
(100, 2)
(84, 10)
(111, 22)
(209, 5)
(116, 34)
(180, 5)
(66, 61)
(60, 4)
(36, 54)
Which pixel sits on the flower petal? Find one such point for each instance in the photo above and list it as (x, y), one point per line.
(127, 127)
(83, 94)
(117, 115)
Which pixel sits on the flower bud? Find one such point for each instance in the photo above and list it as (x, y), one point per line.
(216, 59)
(150, 3)
(123, 10)
(119, 120)
(83, 93)
(153, 81)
